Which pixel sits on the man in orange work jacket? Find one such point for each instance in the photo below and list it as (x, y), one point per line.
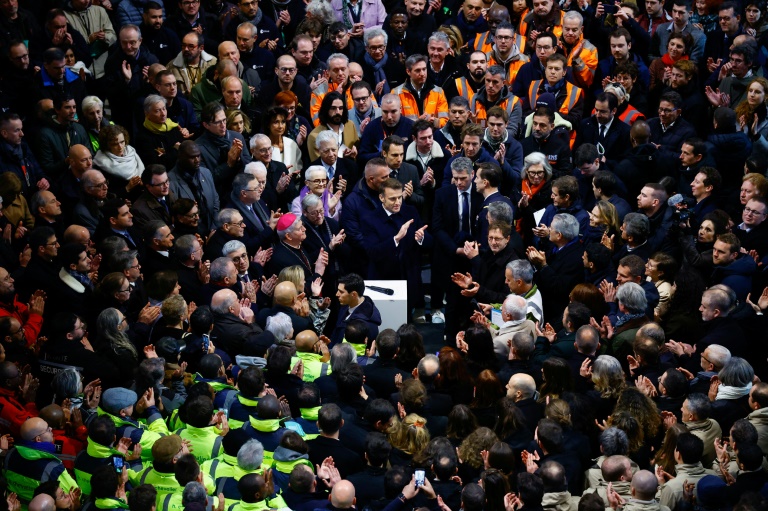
(506, 53)
(338, 80)
(471, 81)
(31, 317)
(420, 99)
(497, 15)
(497, 93)
(581, 54)
(569, 99)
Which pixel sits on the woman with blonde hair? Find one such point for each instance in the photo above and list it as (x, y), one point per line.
(609, 379)
(408, 439)
(603, 219)
(665, 456)
(472, 464)
(753, 105)
(239, 122)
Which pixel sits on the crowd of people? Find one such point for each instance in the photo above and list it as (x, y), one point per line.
(194, 195)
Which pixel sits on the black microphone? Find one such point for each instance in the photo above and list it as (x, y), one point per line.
(384, 290)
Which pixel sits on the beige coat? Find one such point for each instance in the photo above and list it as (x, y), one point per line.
(348, 137)
(560, 501)
(505, 334)
(708, 430)
(759, 419)
(671, 493)
(87, 22)
(623, 488)
(183, 79)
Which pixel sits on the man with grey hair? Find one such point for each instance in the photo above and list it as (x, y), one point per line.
(513, 313)
(632, 304)
(191, 268)
(194, 493)
(281, 185)
(343, 170)
(229, 226)
(338, 80)
(260, 223)
(614, 443)
(247, 269)
(234, 326)
(87, 211)
(391, 122)
(518, 276)
(561, 269)
(456, 207)
(291, 252)
(442, 64)
(383, 74)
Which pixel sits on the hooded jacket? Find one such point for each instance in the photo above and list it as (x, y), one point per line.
(672, 491)
(511, 64)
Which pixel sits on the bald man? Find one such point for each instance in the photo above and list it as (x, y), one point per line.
(289, 302)
(78, 234)
(42, 502)
(207, 91)
(313, 352)
(70, 446)
(232, 331)
(35, 463)
(616, 470)
(95, 189)
(257, 488)
(343, 495)
(229, 50)
(522, 389)
(68, 188)
(644, 487)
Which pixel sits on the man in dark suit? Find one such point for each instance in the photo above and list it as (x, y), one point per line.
(159, 244)
(192, 273)
(327, 144)
(394, 246)
(260, 224)
(487, 181)
(381, 374)
(456, 205)
(393, 152)
(281, 186)
(327, 443)
(669, 130)
(118, 221)
(155, 201)
(605, 130)
(561, 268)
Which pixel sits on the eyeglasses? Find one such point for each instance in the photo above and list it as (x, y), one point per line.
(536, 172)
(251, 189)
(136, 266)
(361, 100)
(317, 181)
(287, 70)
(52, 244)
(504, 37)
(238, 258)
(495, 239)
(21, 57)
(220, 122)
(379, 47)
(755, 212)
(666, 110)
(164, 183)
(102, 186)
(240, 223)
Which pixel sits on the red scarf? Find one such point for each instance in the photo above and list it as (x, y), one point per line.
(668, 62)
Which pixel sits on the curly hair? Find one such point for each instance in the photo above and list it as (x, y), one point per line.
(642, 408)
(482, 439)
(109, 133)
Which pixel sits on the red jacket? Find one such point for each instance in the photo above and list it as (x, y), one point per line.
(31, 322)
(67, 448)
(13, 413)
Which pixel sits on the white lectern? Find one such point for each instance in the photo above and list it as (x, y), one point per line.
(393, 308)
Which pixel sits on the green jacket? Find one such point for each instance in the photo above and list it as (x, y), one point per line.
(164, 482)
(144, 434)
(110, 503)
(313, 367)
(28, 467)
(276, 503)
(205, 442)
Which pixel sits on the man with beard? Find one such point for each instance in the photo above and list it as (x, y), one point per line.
(506, 53)
(268, 33)
(545, 17)
(427, 156)
(190, 65)
(333, 116)
(60, 133)
(421, 25)
(253, 56)
(581, 54)
(18, 78)
(223, 151)
(497, 93)
(391, 122)
(30, 316)
(158, 39)
(471, 80)
(682, 79)
(124, 73)
(363, 200)
(259, 231)
(179, 109)
(449, 136)
(191, 17)
(543, 141)
(365, 107)
(341, 41)
(191, 181)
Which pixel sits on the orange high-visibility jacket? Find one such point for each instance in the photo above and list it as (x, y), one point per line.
(435, 104)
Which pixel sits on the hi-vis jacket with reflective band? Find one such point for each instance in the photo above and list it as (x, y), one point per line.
(584, 71)
(435, 104)
(217, 386)
(268, 432)
(164, 482)
(314, 367)
(509, 103)
(26, 468)
(511, 67)
(317, 99)
(630, 115)
(484, 44)
(528, 18)
(140, 433)
(172, 502)
(572, 96)
(110, 503)
(275, 503)
(226, 466)
(205, 442)
(360, 348)
(239, 408)
(93, 457)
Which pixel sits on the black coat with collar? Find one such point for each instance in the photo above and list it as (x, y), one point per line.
(346, 168)
(563, 271)
(189, 282)
(147, 208)
(299, 324)
(231, 333)
(257, 232)
(446, 224)
(381, 376)
(488, 270)
(345, 459)
(616, 141)
(154, 262)
(338, 258)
